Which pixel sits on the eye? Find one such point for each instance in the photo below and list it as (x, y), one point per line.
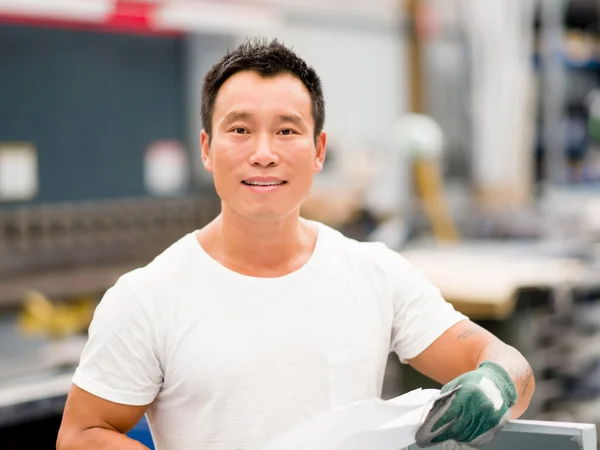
(239, 130)
(287, 132)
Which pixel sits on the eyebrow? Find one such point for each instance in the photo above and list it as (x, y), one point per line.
(237, 115)
(243, 115)
(293, 118)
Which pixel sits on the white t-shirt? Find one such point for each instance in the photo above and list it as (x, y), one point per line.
(230, 361)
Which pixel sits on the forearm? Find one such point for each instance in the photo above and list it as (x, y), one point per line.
(519, 370)
(100, 439)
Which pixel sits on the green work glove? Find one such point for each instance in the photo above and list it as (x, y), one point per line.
(472, 409)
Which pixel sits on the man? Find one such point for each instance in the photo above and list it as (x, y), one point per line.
(261, 319)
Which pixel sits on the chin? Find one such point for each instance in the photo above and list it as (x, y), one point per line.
(268, 211)
(265, 213)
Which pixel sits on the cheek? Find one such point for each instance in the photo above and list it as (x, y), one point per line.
(224, 161)
(301, 157)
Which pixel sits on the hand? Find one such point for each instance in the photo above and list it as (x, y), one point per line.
(472, 409)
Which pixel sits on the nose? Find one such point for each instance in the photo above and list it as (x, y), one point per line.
(263, 155)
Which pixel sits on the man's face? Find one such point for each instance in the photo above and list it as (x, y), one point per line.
(262, 153)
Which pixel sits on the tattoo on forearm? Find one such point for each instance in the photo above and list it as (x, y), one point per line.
(469, 332)
(526, 380)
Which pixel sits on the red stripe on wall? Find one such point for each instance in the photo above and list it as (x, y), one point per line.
(132, 15)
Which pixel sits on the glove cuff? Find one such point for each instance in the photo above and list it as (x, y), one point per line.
(502, 378)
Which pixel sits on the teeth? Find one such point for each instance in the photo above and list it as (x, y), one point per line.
(263, 183)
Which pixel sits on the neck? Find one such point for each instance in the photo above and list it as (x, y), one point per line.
(262, 243)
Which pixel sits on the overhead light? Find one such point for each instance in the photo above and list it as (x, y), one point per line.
(83, 10)
(195, 16)
(384, 10)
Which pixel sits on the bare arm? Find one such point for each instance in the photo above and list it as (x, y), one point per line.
(463, 347)
(518, 368)
(91, 422)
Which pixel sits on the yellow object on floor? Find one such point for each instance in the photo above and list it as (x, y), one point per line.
(40, 316)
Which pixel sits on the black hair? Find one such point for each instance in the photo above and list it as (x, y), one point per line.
(268, 59)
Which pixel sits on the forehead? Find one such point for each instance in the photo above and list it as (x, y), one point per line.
(252, 92)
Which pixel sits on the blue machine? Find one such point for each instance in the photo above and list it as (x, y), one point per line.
(141, 433)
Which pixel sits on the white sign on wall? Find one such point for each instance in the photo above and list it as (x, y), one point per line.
(18, 171)
(166, 168)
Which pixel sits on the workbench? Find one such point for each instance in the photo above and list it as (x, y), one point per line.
(484, 281)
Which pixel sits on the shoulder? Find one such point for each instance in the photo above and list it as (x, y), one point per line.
(367, 255)
(162, 273)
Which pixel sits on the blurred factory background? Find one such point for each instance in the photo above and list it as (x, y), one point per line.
(463, 133)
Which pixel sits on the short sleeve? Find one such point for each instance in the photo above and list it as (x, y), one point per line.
(119, 362)
(421, 315)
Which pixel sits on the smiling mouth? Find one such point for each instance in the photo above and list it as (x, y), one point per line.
(264, 183)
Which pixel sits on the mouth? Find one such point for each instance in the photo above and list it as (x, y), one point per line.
(264, 183)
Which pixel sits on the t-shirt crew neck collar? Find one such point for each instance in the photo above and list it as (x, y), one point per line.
(241, 278)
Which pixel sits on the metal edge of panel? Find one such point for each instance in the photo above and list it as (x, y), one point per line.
(547, 427)
(582, 433)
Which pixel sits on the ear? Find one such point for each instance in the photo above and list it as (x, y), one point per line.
(321, 149)
(205, 146)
